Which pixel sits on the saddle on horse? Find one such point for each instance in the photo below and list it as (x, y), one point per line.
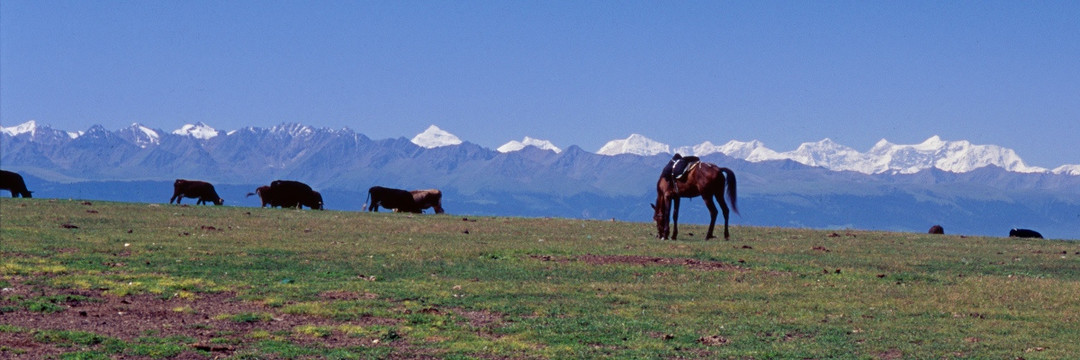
(679, 166)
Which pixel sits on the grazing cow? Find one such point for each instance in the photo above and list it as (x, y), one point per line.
(937, 229)
(13, 182)
(404, 201)
(265, 195)
(1025, 233)
(428, 198)
(396, 199)
(289, 194)
(296, 194)
(195, 189)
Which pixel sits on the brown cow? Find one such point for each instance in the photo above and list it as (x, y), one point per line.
(195, 189)
(404, 201)
(937, 229)
(264, 195)
(428, 198)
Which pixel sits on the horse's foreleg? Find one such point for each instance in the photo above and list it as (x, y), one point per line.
(712, 216)
(662, 218)
(675, 219)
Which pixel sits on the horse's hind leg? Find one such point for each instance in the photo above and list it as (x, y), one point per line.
(712, 215)
(724, 208)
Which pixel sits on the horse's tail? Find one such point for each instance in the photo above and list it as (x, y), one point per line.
(731, 186)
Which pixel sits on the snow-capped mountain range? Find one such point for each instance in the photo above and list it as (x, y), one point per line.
(958, 156)
(885, 157)
(973, 189)
(955, 156)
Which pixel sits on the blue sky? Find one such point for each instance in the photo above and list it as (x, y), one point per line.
(573, 72)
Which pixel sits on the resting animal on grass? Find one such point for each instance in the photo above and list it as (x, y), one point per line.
(1025, 233)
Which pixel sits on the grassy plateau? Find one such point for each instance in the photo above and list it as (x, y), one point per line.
(103, 280)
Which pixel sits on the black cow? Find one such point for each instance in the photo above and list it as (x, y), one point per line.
(195, 189)
(1025, 233)
(937, 229)
(13, 182)
(270, 197)
(289, 194)
(398, 199)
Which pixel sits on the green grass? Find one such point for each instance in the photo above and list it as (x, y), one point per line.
(515, 287)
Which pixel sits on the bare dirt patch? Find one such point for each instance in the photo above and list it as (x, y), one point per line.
(713, 340)
(216, 321)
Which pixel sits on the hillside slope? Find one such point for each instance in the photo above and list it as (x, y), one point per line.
(101, 279)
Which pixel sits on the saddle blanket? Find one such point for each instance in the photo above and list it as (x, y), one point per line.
(679, 166)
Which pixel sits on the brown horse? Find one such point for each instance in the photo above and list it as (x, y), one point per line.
(705, 180)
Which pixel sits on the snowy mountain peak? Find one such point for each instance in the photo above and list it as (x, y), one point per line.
(741, 149)
(141, 135)
(515, 145)
(753, 151)
(701, 149)
(28, 127)
(198, 130)
(293, 129)
(934, 142)
(824, 144)
(636, 144)
(955, 156)
(1067, 170)
(881, 144)
(435, 137)
(828, 154)
(145, 130)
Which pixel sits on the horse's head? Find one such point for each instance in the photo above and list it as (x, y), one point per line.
(660, 215)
